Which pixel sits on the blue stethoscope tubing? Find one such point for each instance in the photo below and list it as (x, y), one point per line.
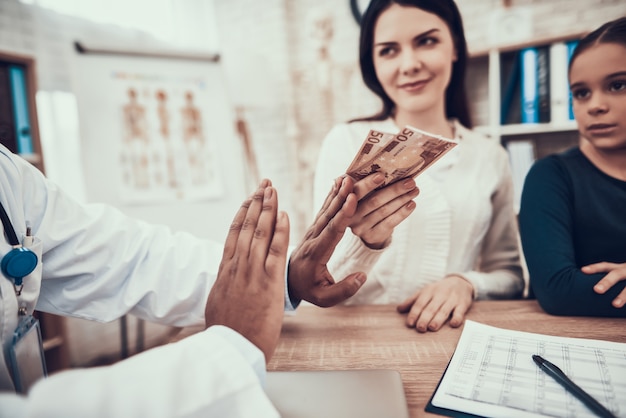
(20, 261)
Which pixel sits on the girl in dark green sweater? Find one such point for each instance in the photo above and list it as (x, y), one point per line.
(573, 210)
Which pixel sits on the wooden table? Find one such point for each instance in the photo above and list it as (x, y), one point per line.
(375, 337)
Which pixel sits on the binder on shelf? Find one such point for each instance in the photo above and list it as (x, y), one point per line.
(7, 133)
(510, 108)
(528, 76)
(571, 45)
(559, 87)
(521, 157)
(543, 84)
(19, 93)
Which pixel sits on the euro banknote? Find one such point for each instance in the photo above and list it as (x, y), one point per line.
(405, 154)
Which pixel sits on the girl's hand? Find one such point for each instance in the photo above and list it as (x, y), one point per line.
(380, 211)
(430, 308)
(616, 273)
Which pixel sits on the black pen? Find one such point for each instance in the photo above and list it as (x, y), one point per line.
(558, 375)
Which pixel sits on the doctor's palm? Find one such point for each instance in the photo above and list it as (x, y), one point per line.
(248, 294)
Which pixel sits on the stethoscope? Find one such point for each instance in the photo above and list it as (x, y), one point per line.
(20, 261)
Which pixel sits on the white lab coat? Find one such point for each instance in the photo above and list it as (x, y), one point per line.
(98, 264)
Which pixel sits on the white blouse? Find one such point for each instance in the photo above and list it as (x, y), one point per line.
(464, 222)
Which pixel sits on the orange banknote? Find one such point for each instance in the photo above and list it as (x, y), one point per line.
(371, 146)
(405, 154)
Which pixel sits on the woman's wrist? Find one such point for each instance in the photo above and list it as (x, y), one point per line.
(377, 245)
(463, 280)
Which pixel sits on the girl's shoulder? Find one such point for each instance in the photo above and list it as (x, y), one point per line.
(566, 160)
(574, 165)
(559, 168)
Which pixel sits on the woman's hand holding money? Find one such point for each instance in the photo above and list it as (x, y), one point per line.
(380, 211)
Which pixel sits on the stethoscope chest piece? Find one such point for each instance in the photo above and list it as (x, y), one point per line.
(19, 263)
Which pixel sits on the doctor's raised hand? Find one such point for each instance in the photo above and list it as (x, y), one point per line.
(252, 271)
(248, 293)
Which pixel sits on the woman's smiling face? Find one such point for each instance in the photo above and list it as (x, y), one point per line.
(413, 56)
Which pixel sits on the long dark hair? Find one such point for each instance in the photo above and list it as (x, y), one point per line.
(611, 32)
(456, 98)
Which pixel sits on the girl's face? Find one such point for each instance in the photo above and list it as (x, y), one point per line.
(598, 84)
(413, 55)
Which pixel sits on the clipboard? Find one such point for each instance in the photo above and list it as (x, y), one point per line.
(430, 407)
(489, 362)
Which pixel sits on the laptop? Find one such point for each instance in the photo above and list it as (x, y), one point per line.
(337, 393)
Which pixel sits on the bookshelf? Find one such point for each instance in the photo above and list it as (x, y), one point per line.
(19, 132)
(494, 81)
(519, 96)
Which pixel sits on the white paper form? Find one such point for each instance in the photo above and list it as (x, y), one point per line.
(492, 373)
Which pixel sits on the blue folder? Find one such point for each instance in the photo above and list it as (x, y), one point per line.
(530, 96)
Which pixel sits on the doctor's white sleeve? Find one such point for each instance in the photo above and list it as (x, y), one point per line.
(99, 264)
(209, 374)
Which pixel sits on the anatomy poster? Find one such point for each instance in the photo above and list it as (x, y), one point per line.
(151, 128)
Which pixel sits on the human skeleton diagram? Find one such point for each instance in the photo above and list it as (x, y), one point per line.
(193, 138)
(134, 155)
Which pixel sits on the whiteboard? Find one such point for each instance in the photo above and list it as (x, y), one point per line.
(158, 140)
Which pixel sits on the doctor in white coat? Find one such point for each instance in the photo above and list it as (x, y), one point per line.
(93, 262)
